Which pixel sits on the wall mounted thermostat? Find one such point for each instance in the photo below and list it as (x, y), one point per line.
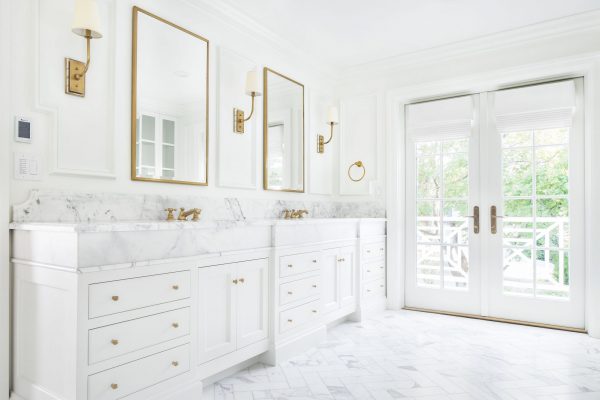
(23, 130)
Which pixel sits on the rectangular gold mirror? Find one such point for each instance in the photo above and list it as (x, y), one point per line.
(169, 103)
(283, 133)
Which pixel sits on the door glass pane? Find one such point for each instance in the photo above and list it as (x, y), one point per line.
(148, 127)
(536, 213)
(442, 213)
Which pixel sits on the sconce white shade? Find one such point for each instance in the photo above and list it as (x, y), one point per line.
(87, 18)
(333, 115)
(253, 83)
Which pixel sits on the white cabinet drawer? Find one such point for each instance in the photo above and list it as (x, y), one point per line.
(129, 378)
(298, 290)
(372, 251)
(373, 270)
(114, 340)
(299, 316)
(298, 264)
(374, 288)
(128, 294)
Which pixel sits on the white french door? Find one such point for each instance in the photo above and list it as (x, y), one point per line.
(495, 204)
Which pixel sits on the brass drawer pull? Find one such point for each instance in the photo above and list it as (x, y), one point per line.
(235, 281)
(115, 298)
(175, 325)
(341, 259)
(315, 286)
(314, 311)
(242, 280)
(175, 287)
(314, 261)
(290, 321)
(175, 363)
(114, 386)
(290, 293)
(290, 266)
(114, 342)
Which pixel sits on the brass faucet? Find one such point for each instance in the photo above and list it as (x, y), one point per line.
(294, 214)
(195, 212)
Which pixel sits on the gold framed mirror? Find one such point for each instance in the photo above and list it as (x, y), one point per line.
(283, 133)
(169, 102)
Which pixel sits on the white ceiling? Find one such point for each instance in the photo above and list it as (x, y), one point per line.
(345, 33)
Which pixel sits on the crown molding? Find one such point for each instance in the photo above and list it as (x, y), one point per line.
(578, 23)
(236, 19)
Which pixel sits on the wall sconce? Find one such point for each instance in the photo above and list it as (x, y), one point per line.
(332, 119)
(87, 24)
(253, 90)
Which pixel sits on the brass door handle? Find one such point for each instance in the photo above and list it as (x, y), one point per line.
(475, 217)
(494, 219)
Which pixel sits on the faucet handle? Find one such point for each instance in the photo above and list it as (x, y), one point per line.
(196, 214)
(181, 216)
(287, 214)
(170, 216)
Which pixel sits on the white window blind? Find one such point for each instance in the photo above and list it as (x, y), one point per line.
(543, 106)
(440, 119)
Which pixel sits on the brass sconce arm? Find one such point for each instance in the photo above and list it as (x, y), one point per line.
(253, 95)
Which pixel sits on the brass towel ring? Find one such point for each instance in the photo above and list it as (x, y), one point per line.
(358, 164)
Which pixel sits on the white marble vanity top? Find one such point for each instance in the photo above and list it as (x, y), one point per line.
(133, 226)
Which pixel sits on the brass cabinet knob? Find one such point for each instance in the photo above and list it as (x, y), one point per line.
(242, 280)
(314, 261)
(314, 286)
(290, 293)
(290, 266)
(175, 325)
(175, 287)
(235, 281)
(114, 386)
(175, 363)
(290, 321)
(314, 311)
(114, 342)
(115, 298)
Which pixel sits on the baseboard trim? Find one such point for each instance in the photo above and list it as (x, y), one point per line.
(495, 319)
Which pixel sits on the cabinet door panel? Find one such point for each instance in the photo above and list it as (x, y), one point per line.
(347, 272)
(330, 288)
(216, 322)
(252, 301)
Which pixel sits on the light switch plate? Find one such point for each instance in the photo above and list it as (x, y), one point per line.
(27, 167)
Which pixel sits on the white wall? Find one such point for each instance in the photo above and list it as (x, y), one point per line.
(4, 197)
(84, 143)
(561, 48)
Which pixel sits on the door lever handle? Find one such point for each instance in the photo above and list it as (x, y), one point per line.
(494, 219)
(475, 217)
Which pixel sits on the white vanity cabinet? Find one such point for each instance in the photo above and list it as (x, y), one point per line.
(233, 307)
(154, 311)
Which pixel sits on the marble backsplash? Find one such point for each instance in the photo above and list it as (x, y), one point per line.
(74, 207)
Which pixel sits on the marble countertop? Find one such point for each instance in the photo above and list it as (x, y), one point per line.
(132, 226)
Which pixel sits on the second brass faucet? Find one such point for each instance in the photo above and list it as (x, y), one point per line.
(294, 214)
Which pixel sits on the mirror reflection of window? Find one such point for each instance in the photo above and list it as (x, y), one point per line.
(170, 101)
(284, 133)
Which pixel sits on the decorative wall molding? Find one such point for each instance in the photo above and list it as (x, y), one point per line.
(579, 23)
(52, 110)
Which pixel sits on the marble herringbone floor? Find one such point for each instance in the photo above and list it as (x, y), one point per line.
(411, 355)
